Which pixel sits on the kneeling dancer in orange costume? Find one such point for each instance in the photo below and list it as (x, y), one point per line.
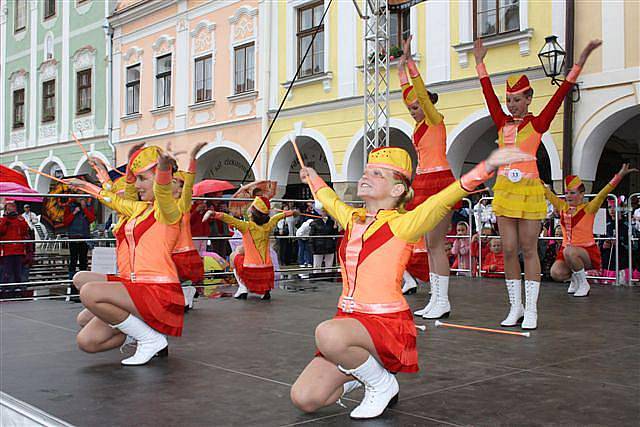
(373, 334)
(147, 304)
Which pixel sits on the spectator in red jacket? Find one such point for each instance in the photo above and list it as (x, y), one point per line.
(12, 255)
(78, 216)
(493, 264)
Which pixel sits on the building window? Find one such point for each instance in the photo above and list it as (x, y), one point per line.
(20, 15)
(83, 102)
(49, 8)
(492, 17)
(308, 25)
(244, 75)
(133, 89)
(18, 108)
(399, 27)
(49, 101)
(203, 79)
(163, 81)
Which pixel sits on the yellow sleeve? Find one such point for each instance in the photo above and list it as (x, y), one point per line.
(335, 207)
(556, 201)
(241, 225)
(167, 211)
(594, 205)
(273, 222)
(412, 225)
(120, 204)
(431, 114)
(184, 204)
(130, 192)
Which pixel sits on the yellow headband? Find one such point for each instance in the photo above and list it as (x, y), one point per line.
(394, 158)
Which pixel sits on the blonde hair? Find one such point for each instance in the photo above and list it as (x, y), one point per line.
(408, 194)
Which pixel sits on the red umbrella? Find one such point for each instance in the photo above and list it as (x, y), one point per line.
(211, 186)
(10, 175)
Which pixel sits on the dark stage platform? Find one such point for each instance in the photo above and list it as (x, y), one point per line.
(237, 360)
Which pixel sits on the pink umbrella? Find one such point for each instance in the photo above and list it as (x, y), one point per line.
(211, 186)
(19, 190)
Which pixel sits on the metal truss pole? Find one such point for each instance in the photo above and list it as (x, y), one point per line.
(376, 75)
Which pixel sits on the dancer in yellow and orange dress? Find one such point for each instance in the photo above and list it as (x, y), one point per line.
(148, 303)
(185, 255)
(579, 251)
(373, 334)
(253, 267)
(518, 194)
(432, 175)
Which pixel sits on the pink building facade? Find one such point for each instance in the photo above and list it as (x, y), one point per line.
(186, 72)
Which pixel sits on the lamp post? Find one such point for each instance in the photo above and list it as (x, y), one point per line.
(552, 57)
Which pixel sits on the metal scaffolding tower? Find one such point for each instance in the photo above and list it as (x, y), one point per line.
(376, 73)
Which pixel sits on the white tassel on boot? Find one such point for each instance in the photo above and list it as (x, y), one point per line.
(516, 312)
(583, 283)
(347, 388)
(189, 293)
(242, 291)
(433, 280)
(409, 285)
(150, 342)
(531, 292)
(573, 285)
(441, 308)
(381, 389)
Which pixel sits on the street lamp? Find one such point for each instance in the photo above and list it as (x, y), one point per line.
(552, 57)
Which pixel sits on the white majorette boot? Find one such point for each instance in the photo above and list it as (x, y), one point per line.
(583, 283)
(441, 308)
(381, 389)
(516, 312)
(189, 293)
(531, 292)
(150, 342)
(433, 280)
(409, 285)
(242, 291)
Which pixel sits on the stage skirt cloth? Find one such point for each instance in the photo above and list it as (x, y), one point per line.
(522, 200)
(426, 185)
(394, 336)
(189, 265)
(594, 256)
(257, 279)
(418, 266)
(161, 305)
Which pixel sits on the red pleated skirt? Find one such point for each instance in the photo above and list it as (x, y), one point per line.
(257, 279)
(189, 265)
(418, 266)
(426, 185)
(161, 305)
(594, 256)
(394, 336)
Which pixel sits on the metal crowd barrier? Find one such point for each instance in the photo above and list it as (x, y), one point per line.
(632, 239)
(57, 242)
(613, 239)
(466, 237)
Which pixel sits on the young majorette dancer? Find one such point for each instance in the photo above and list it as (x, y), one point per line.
(373, 334)
(579, 251)
(148, 302)
(253, 267)
(432, 175)
(518, 194)
(185, 255)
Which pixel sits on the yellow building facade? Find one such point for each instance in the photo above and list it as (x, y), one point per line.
(325, 107)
